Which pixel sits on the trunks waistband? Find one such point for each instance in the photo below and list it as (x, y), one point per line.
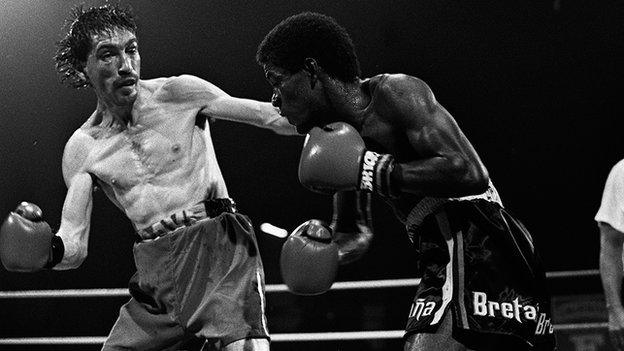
(429, 205)
(205, 209)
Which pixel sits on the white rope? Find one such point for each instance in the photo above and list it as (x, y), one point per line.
(349, 285)
(286, 337)
(68, 293)
(568, 274)
(61, 340)
(123, 292)
(328, 336)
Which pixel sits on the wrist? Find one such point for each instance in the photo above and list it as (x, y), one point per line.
(57, 251)
(380, 174)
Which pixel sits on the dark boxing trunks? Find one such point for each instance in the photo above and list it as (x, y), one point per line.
(478, 262)
(203, 280)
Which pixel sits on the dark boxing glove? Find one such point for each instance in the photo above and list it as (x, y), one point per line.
(334, 158)
(27, 243)
(309, 259)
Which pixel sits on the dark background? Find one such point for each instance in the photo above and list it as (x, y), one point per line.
(533, 84)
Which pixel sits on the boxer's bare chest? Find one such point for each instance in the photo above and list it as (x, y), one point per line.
(160, 142)
(382, 135)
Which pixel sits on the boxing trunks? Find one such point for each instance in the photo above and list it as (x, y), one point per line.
(203, 279)
(477, 263)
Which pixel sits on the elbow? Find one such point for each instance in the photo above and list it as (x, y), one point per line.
(73, 258)
(472, 177)
(80, 257)
(479, 180)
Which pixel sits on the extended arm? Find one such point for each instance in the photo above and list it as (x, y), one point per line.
(259, 114)
(216, 103)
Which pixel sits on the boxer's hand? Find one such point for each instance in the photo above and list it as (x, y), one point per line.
(334, 158)
(27, 243)
(309, 259)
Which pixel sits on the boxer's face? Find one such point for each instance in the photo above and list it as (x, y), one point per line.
(298, 101)
(113, 67)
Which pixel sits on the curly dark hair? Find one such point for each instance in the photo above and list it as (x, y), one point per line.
(314, 35)
(73, 49)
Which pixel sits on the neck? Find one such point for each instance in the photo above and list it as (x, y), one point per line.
(112, 114)
(348, 100)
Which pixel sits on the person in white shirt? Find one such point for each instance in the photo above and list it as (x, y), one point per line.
(610, 219)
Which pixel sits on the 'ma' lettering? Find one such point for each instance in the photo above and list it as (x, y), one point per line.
(420, 308)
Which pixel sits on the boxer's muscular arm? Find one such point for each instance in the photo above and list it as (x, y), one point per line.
(448, 165)
(218, 104)
(76, 215)
(352, 224)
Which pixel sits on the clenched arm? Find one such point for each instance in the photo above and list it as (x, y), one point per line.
(448, 165)
(352, 224)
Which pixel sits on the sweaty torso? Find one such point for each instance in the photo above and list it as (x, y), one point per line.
(382, 134)
(162, 162)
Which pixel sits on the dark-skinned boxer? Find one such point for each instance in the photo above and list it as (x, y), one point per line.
(482, 287)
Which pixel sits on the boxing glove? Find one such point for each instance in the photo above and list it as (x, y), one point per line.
(309, 259)
(27, 243)
(334, 158)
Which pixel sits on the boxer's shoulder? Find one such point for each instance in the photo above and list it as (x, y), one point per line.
(400, 87)
(76, 152)
(618, 168)
(187, 88)
(182, 84)
(151, 85)
(399, 96)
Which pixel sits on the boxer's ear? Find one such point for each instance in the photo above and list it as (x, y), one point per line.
(82, 75)
(311, 66)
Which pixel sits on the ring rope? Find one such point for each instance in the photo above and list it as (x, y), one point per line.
(348, 285)
(326, 336)
(285, 337)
